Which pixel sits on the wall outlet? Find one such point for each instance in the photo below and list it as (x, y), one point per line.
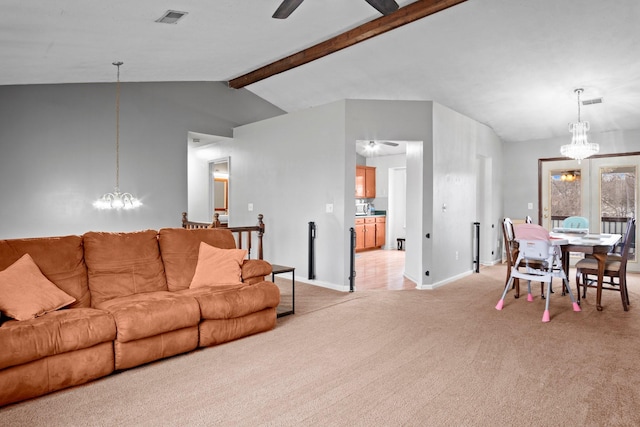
(250, 207)
(457, 255)
(329, 208)
(529, 206)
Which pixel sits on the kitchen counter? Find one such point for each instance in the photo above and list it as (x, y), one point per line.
(374, 215)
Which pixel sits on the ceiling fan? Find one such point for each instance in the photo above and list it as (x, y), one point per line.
(385, 7)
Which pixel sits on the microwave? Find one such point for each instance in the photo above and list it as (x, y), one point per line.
(362, 208)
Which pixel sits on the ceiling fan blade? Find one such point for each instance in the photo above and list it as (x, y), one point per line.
(385, 7)
(389, 143)
(285, 8)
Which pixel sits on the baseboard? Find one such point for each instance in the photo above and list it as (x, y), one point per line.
(445, 281)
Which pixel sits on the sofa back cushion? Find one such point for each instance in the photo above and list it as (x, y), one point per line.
(59, 258)
(122, 264)
(179, 248)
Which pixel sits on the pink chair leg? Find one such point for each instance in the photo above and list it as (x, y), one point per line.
(545, 316)
(500, 304)
(576, 307)
(530, 297)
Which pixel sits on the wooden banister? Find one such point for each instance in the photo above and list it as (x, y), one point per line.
(238, 232)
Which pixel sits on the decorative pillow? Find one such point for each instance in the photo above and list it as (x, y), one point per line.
(218, 266)
(25, 293)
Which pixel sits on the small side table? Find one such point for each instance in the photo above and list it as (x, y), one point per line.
(279, 269)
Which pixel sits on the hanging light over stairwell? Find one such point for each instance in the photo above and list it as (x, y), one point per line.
(116, 199)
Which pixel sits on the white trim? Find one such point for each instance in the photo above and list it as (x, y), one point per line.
(444, 282)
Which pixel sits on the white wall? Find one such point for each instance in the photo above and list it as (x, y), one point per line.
(57, 151)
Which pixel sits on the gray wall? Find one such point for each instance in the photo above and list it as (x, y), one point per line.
(57, 151)
(289, 167)
(521, 165)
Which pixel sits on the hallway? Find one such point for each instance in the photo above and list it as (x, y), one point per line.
(381, 269)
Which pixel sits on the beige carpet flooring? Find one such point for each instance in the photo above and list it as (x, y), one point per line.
(386, 358)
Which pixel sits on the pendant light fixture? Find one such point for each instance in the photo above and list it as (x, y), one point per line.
(580, 148)
(116, 199)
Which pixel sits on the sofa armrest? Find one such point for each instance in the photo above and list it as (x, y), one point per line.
(254, 270)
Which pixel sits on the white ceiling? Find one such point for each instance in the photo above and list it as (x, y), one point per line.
(512, 64)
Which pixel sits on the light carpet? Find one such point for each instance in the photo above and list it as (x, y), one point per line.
(413, 358)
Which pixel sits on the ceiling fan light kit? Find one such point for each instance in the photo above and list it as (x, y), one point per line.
(285, 9)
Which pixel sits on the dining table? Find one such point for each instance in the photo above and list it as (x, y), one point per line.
(597, 245)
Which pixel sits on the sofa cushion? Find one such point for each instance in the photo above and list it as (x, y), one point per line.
(148, 314)
(217, 266)
(61, 260)
(180, 247)
(121, 264)
(54, 333)
(229, 301)
(25, 293)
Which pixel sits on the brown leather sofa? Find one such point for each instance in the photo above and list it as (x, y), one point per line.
(133, 305)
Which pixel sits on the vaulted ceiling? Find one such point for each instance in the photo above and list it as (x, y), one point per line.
(511, 64)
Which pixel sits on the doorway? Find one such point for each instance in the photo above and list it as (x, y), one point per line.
(392, 196)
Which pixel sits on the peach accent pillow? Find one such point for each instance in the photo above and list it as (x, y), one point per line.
(25, 293)
(217, 266)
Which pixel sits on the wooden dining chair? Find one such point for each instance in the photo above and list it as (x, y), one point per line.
(615, 268)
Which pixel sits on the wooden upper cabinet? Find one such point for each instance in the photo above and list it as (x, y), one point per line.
(370, 183)
(365, 182)
(360, 182)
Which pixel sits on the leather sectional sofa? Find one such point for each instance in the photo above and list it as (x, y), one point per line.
(133, 303)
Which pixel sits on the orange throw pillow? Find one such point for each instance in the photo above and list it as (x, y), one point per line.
(25, 293)
(218, 266)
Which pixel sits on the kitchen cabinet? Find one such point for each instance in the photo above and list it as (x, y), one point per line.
(370, 232)
(359, 233)
(365, 182)
(380, 231)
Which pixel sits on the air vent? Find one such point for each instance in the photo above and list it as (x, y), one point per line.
(592, 101)
(171, 17)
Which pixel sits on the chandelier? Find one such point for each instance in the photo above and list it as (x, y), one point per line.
(580, 148)
(116, 199)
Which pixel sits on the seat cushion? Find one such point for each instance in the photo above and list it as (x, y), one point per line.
(180, 247)
(54, 333)
(230, 301)
(61, 260)
(145, 315)
(122, 264)
(611, 265)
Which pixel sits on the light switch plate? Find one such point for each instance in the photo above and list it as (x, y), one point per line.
(529, 205)
(250, 207)
(329, 207)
